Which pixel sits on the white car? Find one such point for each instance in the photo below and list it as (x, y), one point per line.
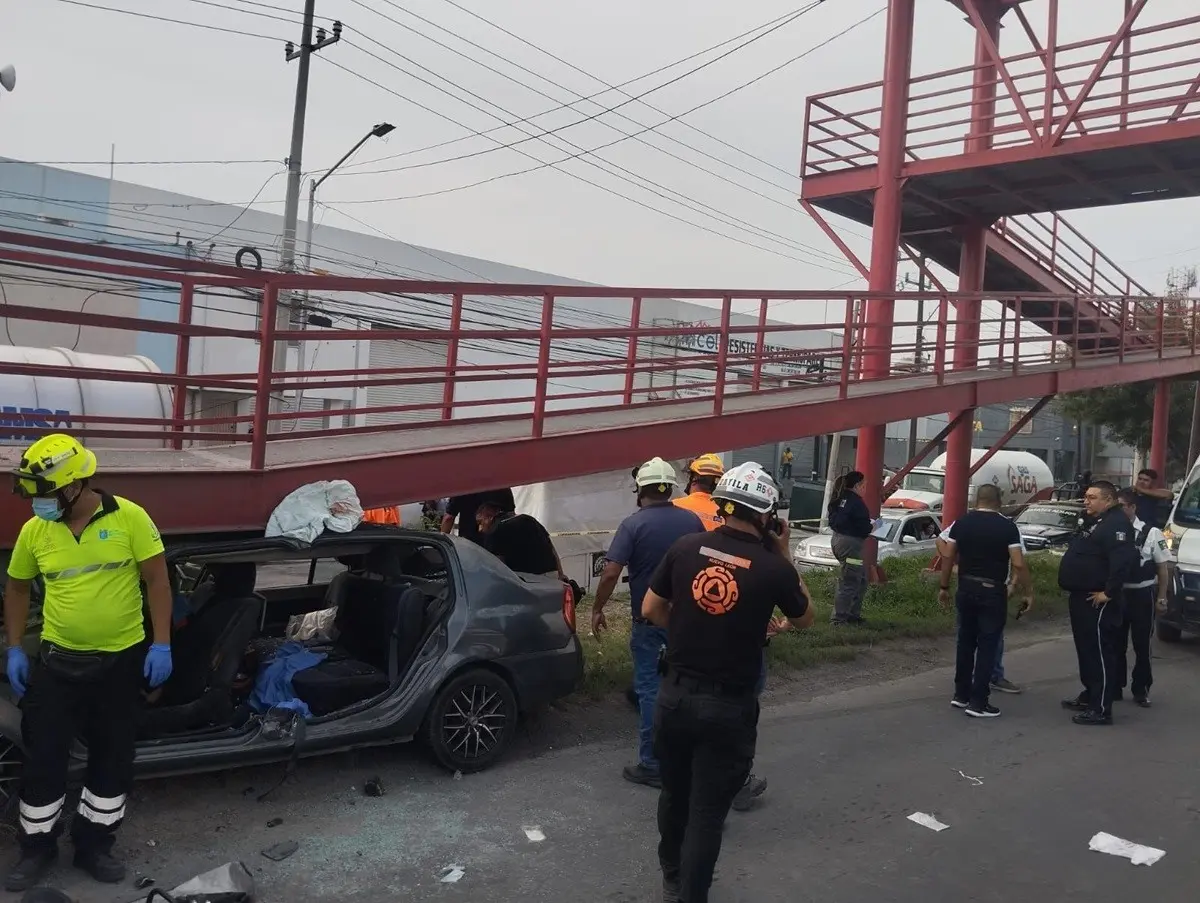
(912, 534)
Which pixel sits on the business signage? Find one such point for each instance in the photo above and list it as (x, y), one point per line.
(709, 343)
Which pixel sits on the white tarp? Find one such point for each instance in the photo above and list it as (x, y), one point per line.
(582, 514)
(312, 509)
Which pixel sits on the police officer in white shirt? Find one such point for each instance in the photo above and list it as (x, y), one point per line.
(1148, 589)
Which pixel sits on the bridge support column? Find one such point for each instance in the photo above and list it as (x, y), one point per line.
(1158, 428)
(876, 337)
(985, 16)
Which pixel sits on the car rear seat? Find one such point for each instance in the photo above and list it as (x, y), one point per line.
(379, 624)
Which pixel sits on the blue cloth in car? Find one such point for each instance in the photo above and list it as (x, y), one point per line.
(273, 687)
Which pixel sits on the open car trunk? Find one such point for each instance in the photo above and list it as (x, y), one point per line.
(323, 630)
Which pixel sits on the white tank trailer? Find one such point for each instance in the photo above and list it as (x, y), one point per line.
(1022, 477)
(56, 401)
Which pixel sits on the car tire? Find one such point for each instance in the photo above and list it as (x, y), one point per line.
(472, 722)
(1168, 633)
(12, 761)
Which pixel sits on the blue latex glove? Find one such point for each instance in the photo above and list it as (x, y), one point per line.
(158, 664)
(17, 668)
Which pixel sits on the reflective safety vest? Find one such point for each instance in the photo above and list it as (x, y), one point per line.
(702, 505)
(386, 516)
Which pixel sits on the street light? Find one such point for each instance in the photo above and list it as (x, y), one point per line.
(384, 128)
(378, 131)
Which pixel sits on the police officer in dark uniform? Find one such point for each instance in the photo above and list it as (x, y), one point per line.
(1099, 561)
(715, 592)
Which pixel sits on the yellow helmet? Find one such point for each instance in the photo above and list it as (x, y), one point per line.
(707, 465)
(51, 463)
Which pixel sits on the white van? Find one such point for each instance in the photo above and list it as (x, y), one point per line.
(1183, 538)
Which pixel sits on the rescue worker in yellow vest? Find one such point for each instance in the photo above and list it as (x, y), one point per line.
(703, 473)
(94, 551)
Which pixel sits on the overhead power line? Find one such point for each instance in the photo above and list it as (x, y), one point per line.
(542, 165)
(118, 162)
(606, 109)
(592, 97)
(207, 27)
(607, 85)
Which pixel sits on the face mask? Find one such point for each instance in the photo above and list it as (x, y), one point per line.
(47, 509)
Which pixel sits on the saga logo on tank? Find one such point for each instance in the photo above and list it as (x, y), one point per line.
(1022, 480)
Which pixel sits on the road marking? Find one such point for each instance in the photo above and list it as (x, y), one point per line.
(926, 820)
(1134, 852)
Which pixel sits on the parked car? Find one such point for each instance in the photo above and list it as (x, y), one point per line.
(907, 535)
(1049, 525)
(433, 638)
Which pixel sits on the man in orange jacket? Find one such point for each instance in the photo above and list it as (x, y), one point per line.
(703, 473)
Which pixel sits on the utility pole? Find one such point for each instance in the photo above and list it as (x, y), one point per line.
(291, 209)
(918, 358)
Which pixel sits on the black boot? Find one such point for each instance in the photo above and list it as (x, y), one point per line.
(30, 869)
(101, 865)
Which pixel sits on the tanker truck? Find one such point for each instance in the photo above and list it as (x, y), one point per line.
(53, 402)
(1021, 476)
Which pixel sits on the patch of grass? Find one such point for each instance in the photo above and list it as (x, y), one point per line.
(904, 607)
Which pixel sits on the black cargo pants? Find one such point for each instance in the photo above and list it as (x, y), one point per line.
(101, 707)
(704, 738)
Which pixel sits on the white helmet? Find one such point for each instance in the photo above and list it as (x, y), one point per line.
(656, 472)
(750, 485)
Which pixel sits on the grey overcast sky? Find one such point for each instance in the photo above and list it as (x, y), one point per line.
(91, 78)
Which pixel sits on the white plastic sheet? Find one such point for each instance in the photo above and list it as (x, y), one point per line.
(1127, 849)
(312, 509)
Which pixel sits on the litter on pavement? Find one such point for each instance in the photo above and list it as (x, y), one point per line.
(534, 833)
(452, 874)
(977, 782)
(281, 850)
(1134, 852)
(926, 820)
(229, 883)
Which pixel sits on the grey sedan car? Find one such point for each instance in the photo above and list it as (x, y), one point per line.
(403, 634)
(907, 534)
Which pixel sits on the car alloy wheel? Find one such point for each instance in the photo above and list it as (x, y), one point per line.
(11, 761)
(472, 721)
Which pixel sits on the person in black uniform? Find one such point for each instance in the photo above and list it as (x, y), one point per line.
(463, 508)
(1099, 561)
(987, 547)
(519, 540)
(851, 524)
(715, 593)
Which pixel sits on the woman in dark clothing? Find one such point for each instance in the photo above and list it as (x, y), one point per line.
(851, 524)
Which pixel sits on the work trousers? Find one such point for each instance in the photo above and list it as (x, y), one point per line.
(1138, 623)
(982, 611)
(852, 582)
(1097, 632)
(705, 740)
(645, 643)
(103, 712)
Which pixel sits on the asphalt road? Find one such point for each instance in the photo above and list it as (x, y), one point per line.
(1022, 795)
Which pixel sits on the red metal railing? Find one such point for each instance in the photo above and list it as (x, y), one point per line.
(486, 353)
(1037, 106)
